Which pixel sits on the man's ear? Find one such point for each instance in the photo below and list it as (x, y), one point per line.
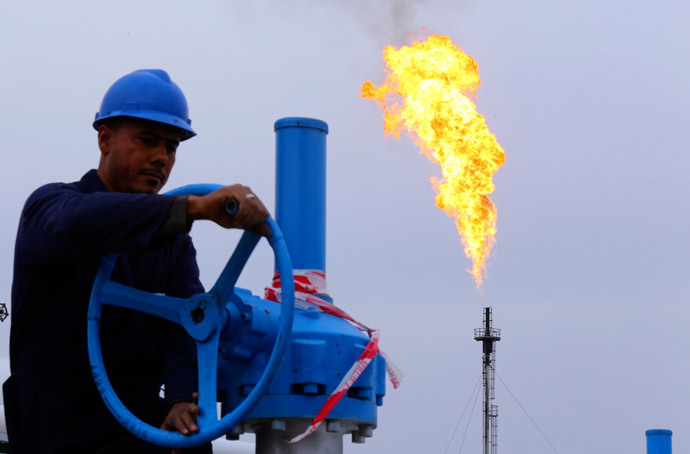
(105, 137)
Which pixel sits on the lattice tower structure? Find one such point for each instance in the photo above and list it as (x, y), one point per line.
(488, 336)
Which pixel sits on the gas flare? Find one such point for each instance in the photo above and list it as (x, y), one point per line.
(428, 92)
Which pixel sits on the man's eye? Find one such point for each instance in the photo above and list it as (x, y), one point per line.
(149, 141)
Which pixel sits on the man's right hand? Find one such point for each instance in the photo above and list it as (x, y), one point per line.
(251, 215)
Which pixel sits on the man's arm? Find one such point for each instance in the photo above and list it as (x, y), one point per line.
(61, 224)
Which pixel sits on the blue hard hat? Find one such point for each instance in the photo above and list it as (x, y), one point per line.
(147, 94)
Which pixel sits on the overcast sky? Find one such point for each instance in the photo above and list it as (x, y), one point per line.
(589, 275)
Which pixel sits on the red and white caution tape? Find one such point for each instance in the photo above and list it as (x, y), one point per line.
(309, 285)
(340, 390)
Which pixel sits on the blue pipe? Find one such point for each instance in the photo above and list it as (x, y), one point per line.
(659, 441)
(301, 189)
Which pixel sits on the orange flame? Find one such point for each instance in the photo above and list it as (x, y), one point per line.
(428, 92)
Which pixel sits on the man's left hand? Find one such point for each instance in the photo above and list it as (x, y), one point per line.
(182, 418)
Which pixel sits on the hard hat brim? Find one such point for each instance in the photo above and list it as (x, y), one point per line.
(158, 117)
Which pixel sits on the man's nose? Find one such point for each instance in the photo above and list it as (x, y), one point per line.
(160, 154)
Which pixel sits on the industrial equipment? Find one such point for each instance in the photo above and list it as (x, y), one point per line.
(659, 441)
(273, 375)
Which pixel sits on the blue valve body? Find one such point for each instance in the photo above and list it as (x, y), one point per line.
(322, 349)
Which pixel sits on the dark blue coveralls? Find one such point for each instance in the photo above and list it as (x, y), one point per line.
(51, 402)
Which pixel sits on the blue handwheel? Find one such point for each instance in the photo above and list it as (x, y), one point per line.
(203, 316)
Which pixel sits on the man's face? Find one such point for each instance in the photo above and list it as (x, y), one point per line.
(136, 155)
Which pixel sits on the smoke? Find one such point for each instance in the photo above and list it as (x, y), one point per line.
(388, 20)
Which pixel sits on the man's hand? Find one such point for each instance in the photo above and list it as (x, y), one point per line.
(251, 215)
(182, 418)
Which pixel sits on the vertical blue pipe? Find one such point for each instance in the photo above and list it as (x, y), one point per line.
(301, 189)
(659, 441)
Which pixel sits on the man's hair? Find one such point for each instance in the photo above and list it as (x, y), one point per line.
(114, 123)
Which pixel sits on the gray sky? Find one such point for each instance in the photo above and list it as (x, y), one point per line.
(588, 278)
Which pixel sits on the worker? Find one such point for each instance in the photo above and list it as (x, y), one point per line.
(51, 401)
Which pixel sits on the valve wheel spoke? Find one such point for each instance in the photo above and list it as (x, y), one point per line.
(207, 360)
(225, 285)
(167, 307)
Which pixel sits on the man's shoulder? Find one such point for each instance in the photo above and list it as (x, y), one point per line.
(48, 190)
(52, 187)
(88, 183)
